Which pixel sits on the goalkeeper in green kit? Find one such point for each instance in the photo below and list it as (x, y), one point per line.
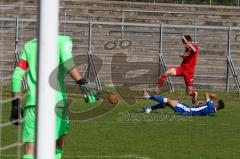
(28, 65)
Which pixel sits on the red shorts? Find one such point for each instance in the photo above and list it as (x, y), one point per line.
(187, 75)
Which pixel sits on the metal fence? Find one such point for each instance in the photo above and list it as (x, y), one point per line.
(170, 33)
(198, 2)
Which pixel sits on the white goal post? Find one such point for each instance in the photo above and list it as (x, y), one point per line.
(47, 61)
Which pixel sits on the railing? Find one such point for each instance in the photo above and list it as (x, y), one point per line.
(204, 2)
(124, 16)
(160, 25)
(198, 2)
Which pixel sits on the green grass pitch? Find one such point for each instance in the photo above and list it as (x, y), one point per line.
(125, 132)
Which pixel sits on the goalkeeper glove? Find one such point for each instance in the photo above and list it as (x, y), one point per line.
(16, 112)
(89, 94)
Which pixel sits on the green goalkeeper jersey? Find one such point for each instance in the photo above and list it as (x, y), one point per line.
(28, 65)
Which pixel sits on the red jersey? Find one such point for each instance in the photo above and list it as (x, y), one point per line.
(190, 59)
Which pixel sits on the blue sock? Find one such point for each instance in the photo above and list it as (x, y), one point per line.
(158, 106)
(159, 99)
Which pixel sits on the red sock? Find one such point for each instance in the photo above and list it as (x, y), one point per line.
(161, 81)
(193, 94)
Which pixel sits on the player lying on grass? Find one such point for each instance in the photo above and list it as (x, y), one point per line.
(210, 107)
(28, 65)
(186, 69)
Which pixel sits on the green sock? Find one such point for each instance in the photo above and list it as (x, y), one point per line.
(59, 153)
(27, 156)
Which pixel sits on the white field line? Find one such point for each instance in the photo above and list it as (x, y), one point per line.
(93, 156)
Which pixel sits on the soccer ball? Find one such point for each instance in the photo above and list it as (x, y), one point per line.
(113, 99)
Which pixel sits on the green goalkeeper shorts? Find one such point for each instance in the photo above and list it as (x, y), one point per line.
(28, 127)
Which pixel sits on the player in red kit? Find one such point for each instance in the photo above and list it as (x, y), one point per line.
(186, 69)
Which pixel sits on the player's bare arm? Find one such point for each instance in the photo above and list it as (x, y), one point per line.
(75, 74)
(206, 96)
(213, 96)
(209, 96)
(189, 44)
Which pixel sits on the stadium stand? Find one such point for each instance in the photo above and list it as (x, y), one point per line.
(211, 66)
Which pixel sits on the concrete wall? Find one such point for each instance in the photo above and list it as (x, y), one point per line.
(143, 53)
